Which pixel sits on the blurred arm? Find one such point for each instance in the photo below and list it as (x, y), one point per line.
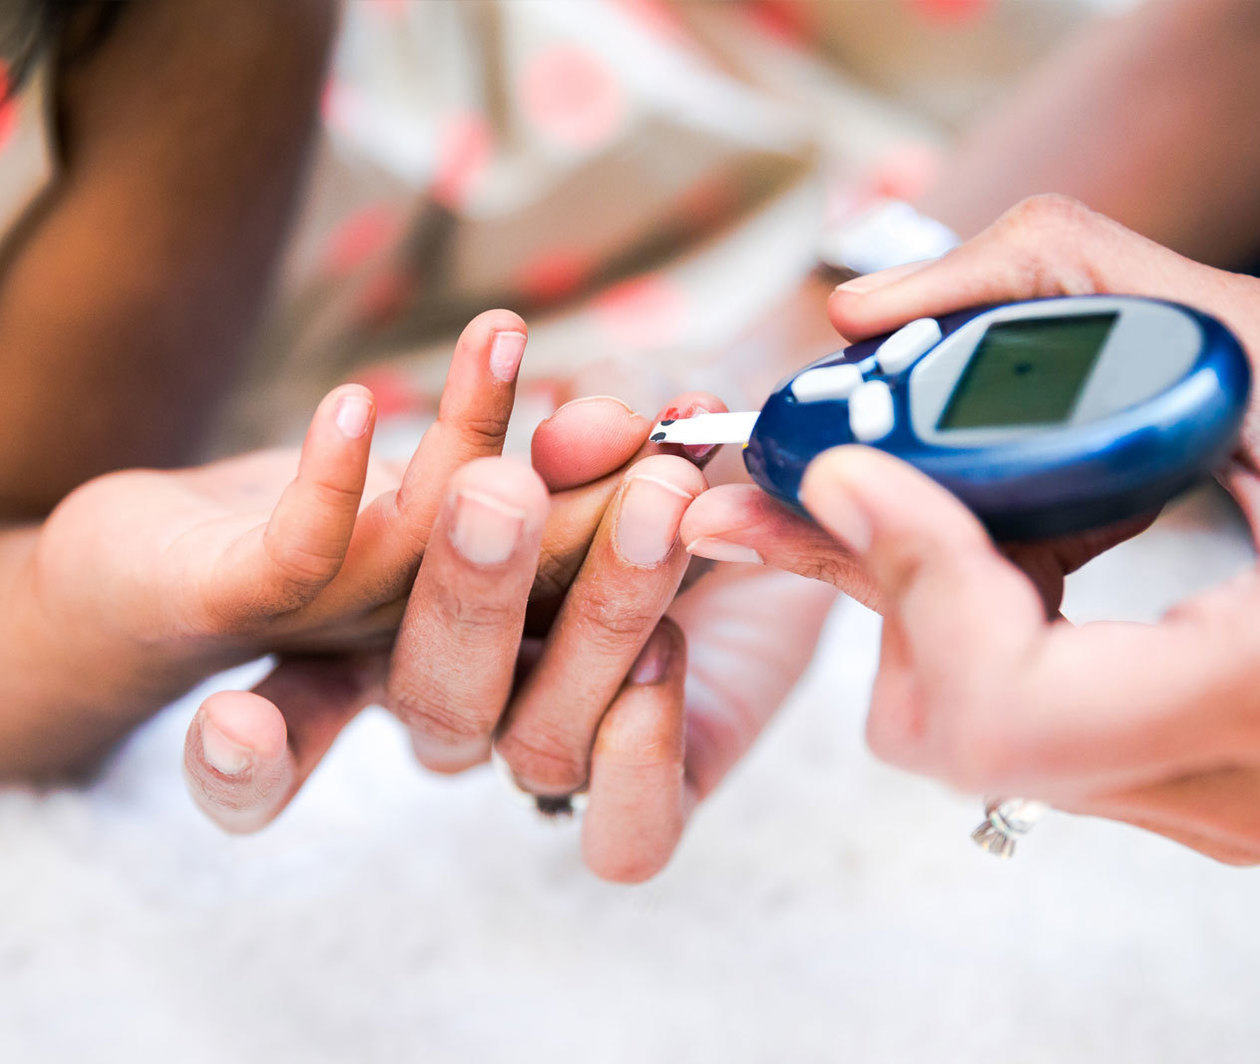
(125, 301)
(1148, 118)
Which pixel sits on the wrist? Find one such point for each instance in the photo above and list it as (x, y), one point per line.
(75, 683)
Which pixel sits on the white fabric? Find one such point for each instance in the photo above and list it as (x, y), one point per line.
(890, 233)
(823, 908)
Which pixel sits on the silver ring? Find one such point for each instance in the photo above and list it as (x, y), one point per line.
(1006, 821)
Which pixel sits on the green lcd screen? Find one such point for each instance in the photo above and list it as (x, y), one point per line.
(1027, 372)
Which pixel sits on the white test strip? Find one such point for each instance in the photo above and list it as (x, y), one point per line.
(706, 429)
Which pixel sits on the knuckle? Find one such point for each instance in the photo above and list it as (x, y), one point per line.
(329, 495)
(435, 714)
(1047, 238)
(611, 620)
(648, 743)
(457, 612)
(480, 433)
(544, 759)
(299, 567)
(1049, 214)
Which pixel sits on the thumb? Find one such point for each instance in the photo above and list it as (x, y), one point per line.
(940, 579)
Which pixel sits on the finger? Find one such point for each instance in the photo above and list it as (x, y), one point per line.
(1047, 562)
(976, 688)
(472, 422)
(453, 664)
(1044, 246)
(622, 590)
(742, 661)
(586, 439)
(960, 620)
(635, 814)
(248, 752)
(741, 523)
(1216, 812)
(283, 564)
(933, 564)
(577, 512)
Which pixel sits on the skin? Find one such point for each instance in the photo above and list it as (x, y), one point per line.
(124, 308)
(156, 296)
(979, 683)
(1116, 119)
(194, 569)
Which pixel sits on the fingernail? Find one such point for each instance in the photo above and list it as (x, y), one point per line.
(647, 524)
(224, 755)
(506, 352)
(353, 414)
(484, 530)
(720, 550)
(867, 282)
(594, 399)
(653, 661)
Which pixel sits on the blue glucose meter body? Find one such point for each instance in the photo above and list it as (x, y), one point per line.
(1045, 417)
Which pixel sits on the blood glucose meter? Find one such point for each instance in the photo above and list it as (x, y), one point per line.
(1045, 417)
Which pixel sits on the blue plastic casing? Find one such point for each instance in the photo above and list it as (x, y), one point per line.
(1042, 484)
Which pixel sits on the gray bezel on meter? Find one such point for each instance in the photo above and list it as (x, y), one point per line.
(1169, 339)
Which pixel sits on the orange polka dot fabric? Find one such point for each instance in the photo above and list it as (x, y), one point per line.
(27, 158)
(643, 179)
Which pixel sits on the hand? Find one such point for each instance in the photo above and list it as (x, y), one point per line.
(1149, 724)
(710, 678)
(1046, 246)
(452, 670)
(143, 582)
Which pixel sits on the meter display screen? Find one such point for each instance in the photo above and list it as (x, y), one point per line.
(1028, 372)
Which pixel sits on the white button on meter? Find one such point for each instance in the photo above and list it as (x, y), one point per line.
(907, 344)
(826, 382)
(871, 412)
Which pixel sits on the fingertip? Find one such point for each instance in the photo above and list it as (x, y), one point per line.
(236, 760)
(689, 404)
(351, 408)
(867, 305)
(624, 869)
(845, 309)
(489, 322)
(586, 439)
(245, 721)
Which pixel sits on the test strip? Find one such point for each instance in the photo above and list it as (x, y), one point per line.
(706, 429)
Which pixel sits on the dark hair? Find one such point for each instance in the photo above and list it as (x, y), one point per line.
(29, 27)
